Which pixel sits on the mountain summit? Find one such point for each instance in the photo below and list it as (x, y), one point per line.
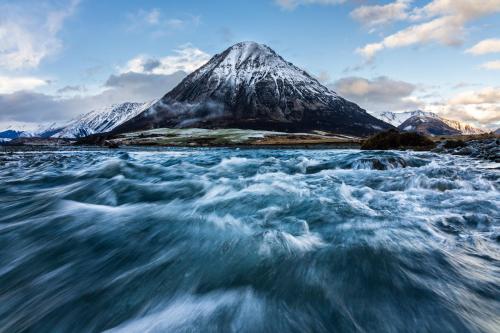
(250, 86)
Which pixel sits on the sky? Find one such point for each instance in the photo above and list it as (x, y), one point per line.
(62, 58)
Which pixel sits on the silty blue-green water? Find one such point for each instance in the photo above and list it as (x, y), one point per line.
(224, 240)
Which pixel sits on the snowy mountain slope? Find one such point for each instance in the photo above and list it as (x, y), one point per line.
(250, 86)
(22, 130)
(463, 128)
(10, 134)
(96, 121)
(428, 126)
(101, 120)
(397, 118)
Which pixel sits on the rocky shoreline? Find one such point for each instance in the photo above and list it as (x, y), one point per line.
(486, 149)
(481, 147)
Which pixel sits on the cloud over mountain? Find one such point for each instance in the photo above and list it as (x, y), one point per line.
(30, 34)
(378, 94)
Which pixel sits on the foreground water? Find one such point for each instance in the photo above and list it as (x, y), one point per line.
(221, 240)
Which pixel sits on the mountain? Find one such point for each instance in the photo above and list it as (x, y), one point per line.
(428, 126)
(10, 134)
(96, 121)
(397, 118)
(101, 120)
(463, 128)
(249, 86)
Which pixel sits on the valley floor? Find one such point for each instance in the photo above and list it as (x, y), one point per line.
(232, 137)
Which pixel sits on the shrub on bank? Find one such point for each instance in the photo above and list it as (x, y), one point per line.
(393, 139)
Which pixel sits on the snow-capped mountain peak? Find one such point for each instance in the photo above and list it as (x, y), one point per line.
(250, 86)
(101, 120)
(249, 63)
(398, 118)
(97, 121)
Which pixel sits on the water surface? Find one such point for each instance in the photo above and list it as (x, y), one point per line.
(216, 240)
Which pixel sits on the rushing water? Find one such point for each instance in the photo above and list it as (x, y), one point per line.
(187, 240)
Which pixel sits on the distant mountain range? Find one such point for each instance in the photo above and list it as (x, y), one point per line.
(101, 120)
(418, 120)
(250, 86)
(96, 121)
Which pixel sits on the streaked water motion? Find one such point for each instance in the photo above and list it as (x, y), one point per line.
(194, 240)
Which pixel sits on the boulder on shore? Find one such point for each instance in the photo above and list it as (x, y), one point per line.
(486, 149)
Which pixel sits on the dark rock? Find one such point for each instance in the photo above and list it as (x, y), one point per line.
(452, 144)
(111, 144)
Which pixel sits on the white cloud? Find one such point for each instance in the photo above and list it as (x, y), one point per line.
(382, 14)
(30, 34)
(491, 65)
(378, 94)
(445, 22)
(479, 107)
(185, 59)
(11, 84)
(489, 95)
(486, 46)
(465, 10)
(156, 21)
(142, 79)
(33, 107)
(153, 17)
(369, 50)
(291, 4)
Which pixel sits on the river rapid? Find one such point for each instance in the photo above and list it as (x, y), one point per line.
(227, 240)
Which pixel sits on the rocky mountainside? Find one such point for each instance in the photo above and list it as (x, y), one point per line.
(463, 128)
(10, 134)
(96, 121)
(101, 120)
(250, 86)
(428, 126)
(397, 118)
(29, 131)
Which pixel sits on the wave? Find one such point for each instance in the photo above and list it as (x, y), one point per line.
(219, 240)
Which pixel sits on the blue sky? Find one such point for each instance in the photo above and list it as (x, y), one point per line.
(70, 56)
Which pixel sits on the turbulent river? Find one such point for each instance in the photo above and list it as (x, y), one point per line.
(220, 240)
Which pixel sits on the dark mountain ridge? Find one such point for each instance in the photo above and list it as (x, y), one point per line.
(249, 86)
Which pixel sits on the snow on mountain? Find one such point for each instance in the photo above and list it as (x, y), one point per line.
(101, 120)
(427, 125)
(250, 63)
(9, 134)
(397, 118)
(463, 127)
(27, 130)
(96, 121)
(250, 86)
